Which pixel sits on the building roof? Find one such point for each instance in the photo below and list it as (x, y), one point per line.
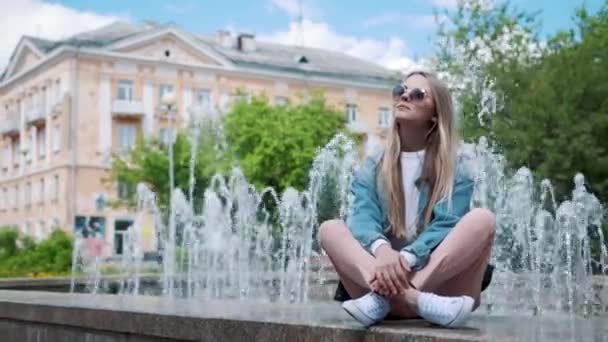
(265, 55)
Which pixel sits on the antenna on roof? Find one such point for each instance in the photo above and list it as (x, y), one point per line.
(300, 29)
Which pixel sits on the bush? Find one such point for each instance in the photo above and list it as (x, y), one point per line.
(20, 256)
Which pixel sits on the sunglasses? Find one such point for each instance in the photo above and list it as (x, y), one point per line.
(415, 94)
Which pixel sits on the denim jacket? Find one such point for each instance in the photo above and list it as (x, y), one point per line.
(368, 220)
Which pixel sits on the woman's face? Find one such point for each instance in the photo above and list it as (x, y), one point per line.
(411, 106)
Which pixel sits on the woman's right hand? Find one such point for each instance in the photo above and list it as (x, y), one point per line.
(390, 277)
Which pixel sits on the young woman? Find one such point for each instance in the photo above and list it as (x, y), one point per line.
(412, 247)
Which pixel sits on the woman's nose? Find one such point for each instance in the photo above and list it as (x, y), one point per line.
(405, 96)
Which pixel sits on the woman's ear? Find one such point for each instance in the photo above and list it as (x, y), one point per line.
(434, 118)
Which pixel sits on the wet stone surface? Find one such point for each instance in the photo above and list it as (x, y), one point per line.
(148, 318)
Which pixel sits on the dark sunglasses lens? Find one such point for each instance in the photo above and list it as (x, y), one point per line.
(398, 91)
(416, 94)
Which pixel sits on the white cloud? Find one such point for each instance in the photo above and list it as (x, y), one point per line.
(45, 20)
(292, 8)
(391, 53)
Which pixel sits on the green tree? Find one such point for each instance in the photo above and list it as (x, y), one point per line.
(550, 111)
(275, 145)
(148, 163)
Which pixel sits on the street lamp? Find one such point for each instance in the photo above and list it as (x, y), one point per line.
(168, 100)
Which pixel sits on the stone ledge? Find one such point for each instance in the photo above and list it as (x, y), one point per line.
(152, 318)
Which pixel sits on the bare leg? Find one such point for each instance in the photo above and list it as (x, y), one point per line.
(457, 264)
(354, 265)
(469, 282)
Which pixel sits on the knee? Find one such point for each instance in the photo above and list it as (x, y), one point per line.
(485, 222)
(331, 231)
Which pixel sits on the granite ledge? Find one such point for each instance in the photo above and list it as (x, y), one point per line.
(213, 320)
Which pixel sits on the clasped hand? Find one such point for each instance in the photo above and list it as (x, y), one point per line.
(391, 274)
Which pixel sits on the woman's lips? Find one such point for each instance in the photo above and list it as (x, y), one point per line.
(402, 106)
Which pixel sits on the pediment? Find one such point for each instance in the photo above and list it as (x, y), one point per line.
(172, 45)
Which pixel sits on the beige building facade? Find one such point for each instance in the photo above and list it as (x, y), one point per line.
(65, 106)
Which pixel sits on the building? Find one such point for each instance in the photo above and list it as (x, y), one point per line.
(64, 105)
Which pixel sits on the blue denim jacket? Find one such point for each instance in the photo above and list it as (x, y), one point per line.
(368, 220)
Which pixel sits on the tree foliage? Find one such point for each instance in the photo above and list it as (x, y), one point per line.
(148, 163)
(20, 256)
(275, 145)
(543, 103)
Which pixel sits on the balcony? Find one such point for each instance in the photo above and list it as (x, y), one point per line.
(127, 108)
(36, 116)
(10, 126)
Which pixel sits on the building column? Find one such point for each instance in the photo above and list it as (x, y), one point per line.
(47, 122)
(148, 100)
(34, 146)
(22, 135)
(9, 156)
(186, 104)
(105, 115)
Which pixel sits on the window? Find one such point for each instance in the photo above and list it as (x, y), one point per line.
(58, 91)
(280, 100)
(27, 194)
(16, 197)
(384, 117)
(40, 231)
(28, 141)
(42, 191)
(203, 98)
(56, 138)
(27, 229)
(165, 136)
(43, 99)
(34, 193)
(225, 101)
(125, 90)
(29, 102)
(41, 138)
(162, 90)
(126, 136)
(351, 113)
(125, 190)
(55, 188)
(6, 156)
(243, 96)
(3, 200)
(16, 152)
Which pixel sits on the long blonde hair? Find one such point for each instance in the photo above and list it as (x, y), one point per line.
(439, 162)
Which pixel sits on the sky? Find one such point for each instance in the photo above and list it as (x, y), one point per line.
(393, 33)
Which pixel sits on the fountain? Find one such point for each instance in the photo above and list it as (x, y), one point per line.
(244, 243)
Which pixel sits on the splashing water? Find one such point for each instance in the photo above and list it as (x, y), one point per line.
(249, 244)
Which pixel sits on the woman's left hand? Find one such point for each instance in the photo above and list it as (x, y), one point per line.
(380, 284)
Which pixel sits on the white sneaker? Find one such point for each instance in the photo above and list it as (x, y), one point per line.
(449, 312)
(369, 309)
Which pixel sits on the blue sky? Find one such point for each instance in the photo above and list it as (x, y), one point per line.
(388, 32)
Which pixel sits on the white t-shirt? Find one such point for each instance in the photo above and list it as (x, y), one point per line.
(411, 169)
